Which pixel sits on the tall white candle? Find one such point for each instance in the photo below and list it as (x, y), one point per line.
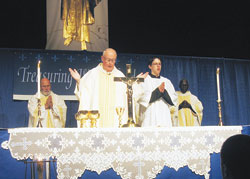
(218, 83)
(38, 79)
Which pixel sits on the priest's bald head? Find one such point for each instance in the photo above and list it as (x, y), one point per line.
(108, 59)
(45, 86)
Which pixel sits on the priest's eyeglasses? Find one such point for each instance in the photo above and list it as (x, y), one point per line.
(110, 60)
(156, 64)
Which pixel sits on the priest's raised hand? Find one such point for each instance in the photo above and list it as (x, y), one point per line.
(74, 73)
(142, 75)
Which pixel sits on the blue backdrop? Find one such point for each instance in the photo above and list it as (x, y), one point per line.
(199, 71)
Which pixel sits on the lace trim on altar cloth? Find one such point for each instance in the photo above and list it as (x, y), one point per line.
(131, 152)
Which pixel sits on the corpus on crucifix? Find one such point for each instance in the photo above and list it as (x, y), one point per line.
(129, 81)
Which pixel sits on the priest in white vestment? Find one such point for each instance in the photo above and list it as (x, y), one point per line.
(159, 94)
(97, 90)
(53, 115)
(189, 109)
(53, 108)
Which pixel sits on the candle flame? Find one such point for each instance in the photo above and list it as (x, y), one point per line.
(218, 71)
(38, 64)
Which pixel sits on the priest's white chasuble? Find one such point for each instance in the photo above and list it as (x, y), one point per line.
(98, 91)
(155, 114)
(184, 116)
(51, 118)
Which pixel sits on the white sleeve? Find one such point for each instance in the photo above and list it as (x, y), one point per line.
(145, 94)
(171, 91)
(59, 103)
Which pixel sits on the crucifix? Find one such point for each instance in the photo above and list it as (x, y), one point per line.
(129, 81)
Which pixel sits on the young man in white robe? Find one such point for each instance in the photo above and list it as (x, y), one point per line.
(97, 90)
(159, 94)
(189, 109)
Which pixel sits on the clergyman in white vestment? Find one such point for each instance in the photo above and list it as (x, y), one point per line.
(189, 109)
(53, 108)
(159, 94)
(97, 90)
(53, 115)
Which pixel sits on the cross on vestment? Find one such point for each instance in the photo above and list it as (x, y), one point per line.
(129, 81)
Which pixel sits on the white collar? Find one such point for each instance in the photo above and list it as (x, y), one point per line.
(100, 66)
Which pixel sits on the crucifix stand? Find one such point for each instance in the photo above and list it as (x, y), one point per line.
(129, 81)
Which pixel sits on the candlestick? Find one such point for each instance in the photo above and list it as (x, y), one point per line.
(220, 116)
(219, 100)
(38, 79)
(218, 83)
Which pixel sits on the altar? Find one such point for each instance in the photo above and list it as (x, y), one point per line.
(190, 152)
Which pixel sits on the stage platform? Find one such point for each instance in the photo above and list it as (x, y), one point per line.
(178, 152)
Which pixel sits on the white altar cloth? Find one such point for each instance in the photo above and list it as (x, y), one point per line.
(131, 152)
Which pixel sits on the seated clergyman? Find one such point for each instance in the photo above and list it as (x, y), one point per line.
(53, 108)
(52, 114)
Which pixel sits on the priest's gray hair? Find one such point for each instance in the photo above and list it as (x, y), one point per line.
(108, 49)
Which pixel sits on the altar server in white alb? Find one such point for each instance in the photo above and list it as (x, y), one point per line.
(53, 108)
(97, 90)
(159, 94)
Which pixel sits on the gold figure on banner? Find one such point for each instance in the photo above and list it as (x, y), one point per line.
(77, 17)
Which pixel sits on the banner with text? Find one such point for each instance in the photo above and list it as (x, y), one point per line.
(54, 66)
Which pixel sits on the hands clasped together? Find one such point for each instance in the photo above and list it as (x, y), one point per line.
(49, 103)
